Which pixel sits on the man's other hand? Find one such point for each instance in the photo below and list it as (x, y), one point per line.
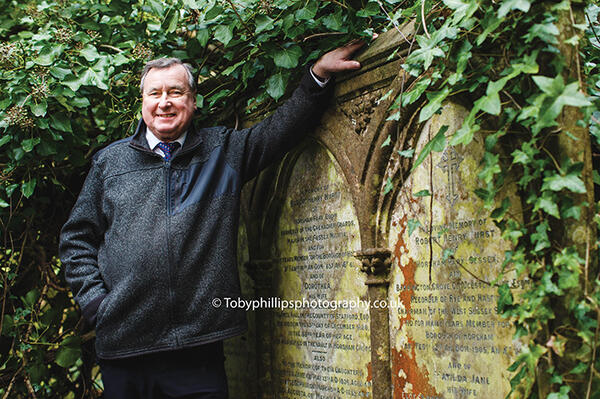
(337, 60)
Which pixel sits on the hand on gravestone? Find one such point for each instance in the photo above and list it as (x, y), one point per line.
(337, 60)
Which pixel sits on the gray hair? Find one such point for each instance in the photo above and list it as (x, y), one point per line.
(163, 63)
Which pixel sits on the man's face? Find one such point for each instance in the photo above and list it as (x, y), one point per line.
(168, 103)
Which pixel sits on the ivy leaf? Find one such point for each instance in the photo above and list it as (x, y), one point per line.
(29, 144)
(40, 108)
(490, 103)
(540, 237)
(263, 23)
(570, 182)
(203, 36)
(435, 102)
(276, 86)
(422, 193)
(505, 297)
(224, 34)
(425, 54)
(414, 94)
(372, 8)
(509, 5)
(387, 142)
(58, 72)
(407, 153)
(90, 53)
(288, 57)
(5, 139)
(171, 20)
(193, 4)
(568, 279)
(60, 122)
(546, 32)
(394, 117)
(232, 68)
(412, 225)
(455, 4)
(80, 102)
(548, 205)
(549, 285)
(447, 254)
(552, 87)
(388, 186)
(334, 21)
(385, 96)
(28, 187)
(464, 55)
(88, 77)
(501, 210)
(438, 144)
(69, 352)
(580, 368)
(562, 394)
(308, 12)
(571, 96)
(490, 22)
(48, 55)
(119, 59)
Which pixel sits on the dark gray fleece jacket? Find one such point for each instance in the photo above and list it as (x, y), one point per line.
(150, 243)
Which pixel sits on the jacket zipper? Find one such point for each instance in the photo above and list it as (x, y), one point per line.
(167, 166)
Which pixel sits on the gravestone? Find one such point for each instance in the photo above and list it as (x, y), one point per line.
(447, 340)
(321, 331)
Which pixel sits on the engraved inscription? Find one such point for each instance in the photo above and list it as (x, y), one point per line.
(448, 339)
(321, 338)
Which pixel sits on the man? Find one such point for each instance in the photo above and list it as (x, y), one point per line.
(151, 240)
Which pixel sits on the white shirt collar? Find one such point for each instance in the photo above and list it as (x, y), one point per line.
(153, 140)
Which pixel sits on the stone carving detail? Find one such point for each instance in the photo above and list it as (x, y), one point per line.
(360, 109)
(449, 164)
(375, 261)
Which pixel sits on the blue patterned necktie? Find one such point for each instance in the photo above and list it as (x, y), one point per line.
(168, 148)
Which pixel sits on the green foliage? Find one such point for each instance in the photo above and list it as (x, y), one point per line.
(517, 63)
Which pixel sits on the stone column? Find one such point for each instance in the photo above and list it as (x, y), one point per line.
(261, 272)
(376, 262)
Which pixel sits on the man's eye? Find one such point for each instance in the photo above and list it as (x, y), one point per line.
(176, 93)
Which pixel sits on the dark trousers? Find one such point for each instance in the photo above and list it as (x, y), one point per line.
(194, 373)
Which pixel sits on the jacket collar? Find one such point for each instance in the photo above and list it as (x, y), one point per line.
(139, 142)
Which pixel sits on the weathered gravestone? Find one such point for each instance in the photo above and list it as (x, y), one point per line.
(336, 224)
(321, 332)
(448, 340)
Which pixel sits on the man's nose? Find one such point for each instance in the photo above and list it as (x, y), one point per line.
(164, 101)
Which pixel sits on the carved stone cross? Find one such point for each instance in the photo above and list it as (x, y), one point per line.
(449, 163)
